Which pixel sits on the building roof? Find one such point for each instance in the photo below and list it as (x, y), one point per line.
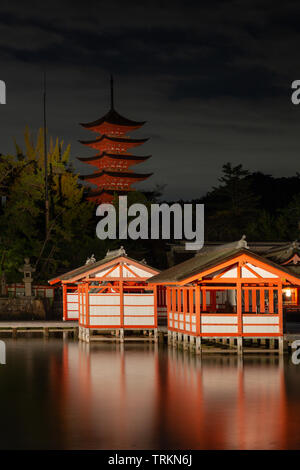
(276, 251)
(282, 253)
(118, 174)
(110, 256)
(113, 117)
(210, 257)
(116, 156)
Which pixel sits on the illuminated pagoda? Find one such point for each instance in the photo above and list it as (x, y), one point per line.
(113, 160)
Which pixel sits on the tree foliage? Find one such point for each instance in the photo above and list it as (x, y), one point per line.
(22, 219)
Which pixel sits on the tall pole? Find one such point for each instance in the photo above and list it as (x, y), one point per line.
(111, 92)
(46, 163)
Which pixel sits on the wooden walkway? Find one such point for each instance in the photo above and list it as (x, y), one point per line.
(214, 346)
(45, 327)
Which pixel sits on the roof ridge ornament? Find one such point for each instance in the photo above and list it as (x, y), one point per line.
(114, 253)
(91, 260)
(112, 92)
(237, 245)
(242, 243)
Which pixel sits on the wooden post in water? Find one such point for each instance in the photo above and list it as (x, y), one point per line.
(281, 345)
(240, 345)
(122, 335)
(198, 345)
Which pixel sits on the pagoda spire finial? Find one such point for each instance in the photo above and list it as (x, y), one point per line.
(111, 92)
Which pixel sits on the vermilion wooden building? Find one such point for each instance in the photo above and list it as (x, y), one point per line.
(227, 291)
(112, 294)
(113, 159)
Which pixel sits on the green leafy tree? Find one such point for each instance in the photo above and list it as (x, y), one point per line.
(22, 221)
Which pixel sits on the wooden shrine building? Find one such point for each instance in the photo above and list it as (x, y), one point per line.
(113, 159)
(111, 294)
(228, 291)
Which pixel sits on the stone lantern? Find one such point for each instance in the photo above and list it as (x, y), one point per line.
(27, 270)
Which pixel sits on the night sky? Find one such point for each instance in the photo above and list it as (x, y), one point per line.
(212, 80)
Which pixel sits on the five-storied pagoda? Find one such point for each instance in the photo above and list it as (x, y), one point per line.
(113, 159)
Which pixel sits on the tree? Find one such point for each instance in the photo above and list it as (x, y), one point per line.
(22, 222)
(231, 206)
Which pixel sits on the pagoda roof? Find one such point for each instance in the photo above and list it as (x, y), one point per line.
(113, 117)
(118, 174)
(96, 192)
(116, 156)
(113, 139)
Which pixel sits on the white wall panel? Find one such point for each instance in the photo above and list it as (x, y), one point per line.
(146, 321)
(105, 310)
(219, 329)
(217, 319)
(115, 321)
(104, 299)
(261, 320)
(261, 329)
(138, 299)
(140, 310)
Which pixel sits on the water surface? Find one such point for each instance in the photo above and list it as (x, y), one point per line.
(59, 394)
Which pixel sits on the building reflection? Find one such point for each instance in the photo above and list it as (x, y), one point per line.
(140, 397)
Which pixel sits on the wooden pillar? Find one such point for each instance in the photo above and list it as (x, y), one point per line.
(87, 307)
(253, 300)
(246, 293)
(198, 309)
(169, 308)
(121, 306)
(184, 294)
(64, 302)
(271, 300)
(261, 300)
(155, 305)
(280, 308)
(203, 299)
(239, 307)
(185, 341)
(213, 296)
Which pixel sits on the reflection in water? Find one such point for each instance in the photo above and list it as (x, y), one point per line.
(69, 395)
